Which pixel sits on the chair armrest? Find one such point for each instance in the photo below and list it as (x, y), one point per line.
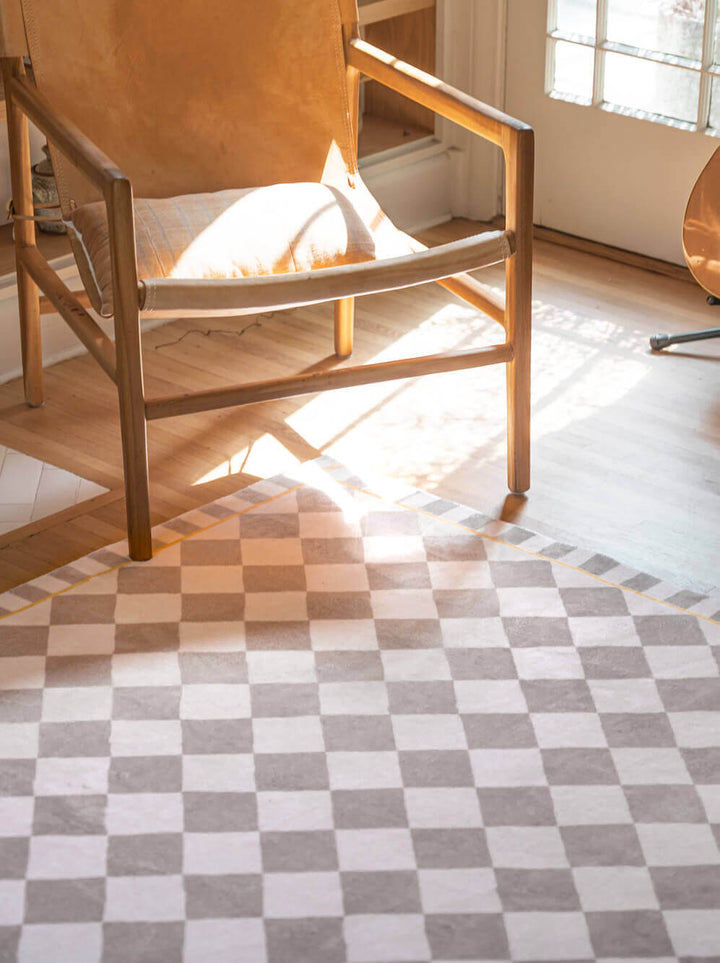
(443, 99)
(66, 136)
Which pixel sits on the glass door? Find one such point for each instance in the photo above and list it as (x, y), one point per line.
(625, 99)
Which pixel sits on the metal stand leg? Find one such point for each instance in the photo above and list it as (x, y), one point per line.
(660, 341)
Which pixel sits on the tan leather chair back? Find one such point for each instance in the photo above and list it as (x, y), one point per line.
(12, 30)
(188, 96)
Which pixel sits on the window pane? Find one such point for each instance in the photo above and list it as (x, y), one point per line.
(657, 88)
(714, 120)
(669, 26)
(573, 70)
(576, 16)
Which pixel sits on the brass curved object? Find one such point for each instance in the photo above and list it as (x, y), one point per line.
(701, 227)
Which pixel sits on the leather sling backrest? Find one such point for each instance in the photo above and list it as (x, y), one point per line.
(197, 95)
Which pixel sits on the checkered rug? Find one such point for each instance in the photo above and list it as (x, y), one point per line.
(322, 727)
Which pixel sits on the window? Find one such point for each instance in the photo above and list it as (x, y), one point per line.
(654, 59)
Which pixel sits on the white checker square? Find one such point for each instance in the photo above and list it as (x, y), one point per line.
(459, 891)
(490, 695)
(67, 857)
(156, 607)
(79, 942)
(272, 551)
(218, 773)
(19, 740)
(650, 766)
(415, 665)
(644, 605)
(276, 607)
(678, 844)
(22, 672)
(303, 810)
(12, 901)
(548, 662)
(212, 637)
(145, 668)
(37, 614)
(529, 602)
(81, 639)
(681, 661)
(280, 667)
(209, 854)
(403, 604)
(694, 933)
(329, 524)
(364, 770)
(695, 730)
(104, 583)
(474, 633)
(81, 704)
(564, 730)
(232, 941)
(288, 734)
(149, 813)
(440, 808)
(394, 548)
(152, 737)
(381, 939)
(302, 895)
(710, 796)
(610, 630)
(218, 701)
(16, 815)
(211, 579)
(374, 850)
(144, 899)
(334, 635)
(590, 805)
(548, 936)
(80, 776)
(625, 695)
(429, 732)
(336, 578)
(526, 847)
(507, 767)
(353, 698)
(615, 888)
(460, 575)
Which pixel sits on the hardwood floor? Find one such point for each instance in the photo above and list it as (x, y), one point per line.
(626, 443)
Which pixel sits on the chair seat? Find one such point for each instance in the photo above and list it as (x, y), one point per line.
(279, 229)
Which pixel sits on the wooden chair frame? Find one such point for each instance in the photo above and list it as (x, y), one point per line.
(122, 361)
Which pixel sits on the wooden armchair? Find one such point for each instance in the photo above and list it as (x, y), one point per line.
(206, 163)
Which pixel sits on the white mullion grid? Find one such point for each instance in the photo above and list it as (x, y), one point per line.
(708, 55)
(550, 46)
(601, 15)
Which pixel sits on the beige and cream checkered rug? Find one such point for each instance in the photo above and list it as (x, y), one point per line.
(322, 727)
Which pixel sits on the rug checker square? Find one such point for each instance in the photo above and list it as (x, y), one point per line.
(320, 726)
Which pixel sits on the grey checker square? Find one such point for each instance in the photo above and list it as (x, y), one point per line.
(305, 737)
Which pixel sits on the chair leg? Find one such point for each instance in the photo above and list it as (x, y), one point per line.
(24, 229)
(30, 337)
(133, 427)
(518, 401)
(344, 324)
(519, 158)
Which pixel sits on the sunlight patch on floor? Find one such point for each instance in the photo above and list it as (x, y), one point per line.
(421, 431)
